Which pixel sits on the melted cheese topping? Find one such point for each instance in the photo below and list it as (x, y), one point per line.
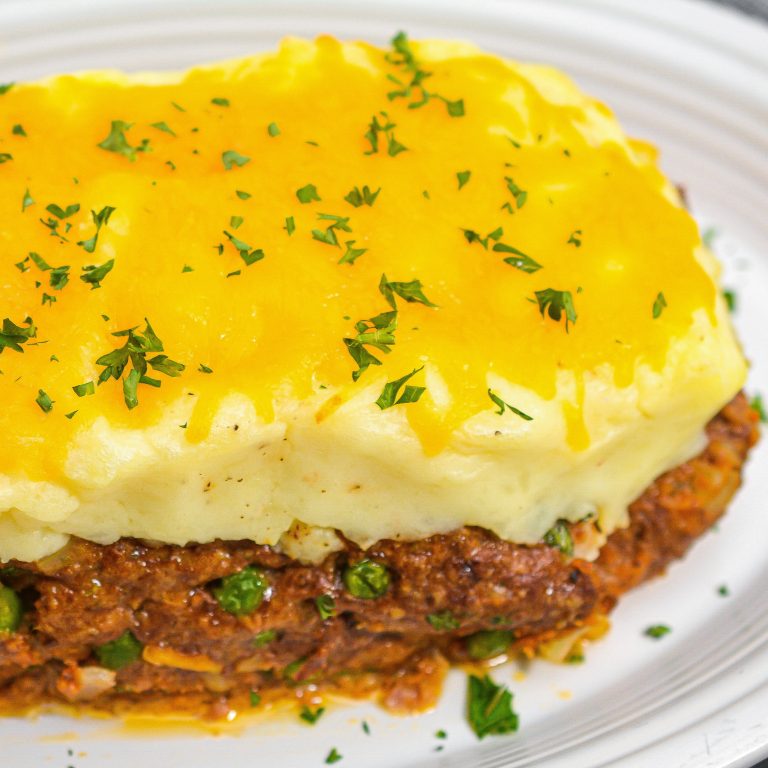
(278, 431)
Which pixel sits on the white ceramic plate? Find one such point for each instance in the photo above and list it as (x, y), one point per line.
(692, 78)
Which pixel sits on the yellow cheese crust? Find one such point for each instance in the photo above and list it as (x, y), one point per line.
(498, 187)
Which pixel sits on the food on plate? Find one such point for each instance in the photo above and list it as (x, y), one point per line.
(325, 368)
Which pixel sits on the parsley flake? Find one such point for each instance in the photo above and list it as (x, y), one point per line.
(81, 390)
(100, 219)
(657, 631)
(290, 225)
(164, 127)
(26, 201)
(204, 369)
(117, 142)
(230, 158)
(254, 699)
(377, 332)
(520, 195)
(307, 194)
(555, 303)
(248, 255)
(357, 197)
(5, 157)
(394, 147)
(391, 396)
(135, 350)
(44, 401)
(502, 406)
(559, 537)
(5, 87)
(411, 292)
(333, 757)
(311, 716)
(659, 305)
(351, 254)
(463, 177)
(93, 274)
(18, 130)
(13, 336)
(575, 238)
(63, 213)
(730, 299)
(489, 708)
(273, 130)
(220, 102)
(242, 195)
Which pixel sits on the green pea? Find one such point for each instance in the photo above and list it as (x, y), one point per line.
(489, 643)
(242, 593)
(10, 610)
(366, 579)
(120, 652)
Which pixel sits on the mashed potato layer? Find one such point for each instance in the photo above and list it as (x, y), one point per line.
(386, 292)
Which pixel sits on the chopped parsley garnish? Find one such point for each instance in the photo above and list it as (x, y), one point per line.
(730, 300)
(311, 716)
(659, 305)
(220, 102)
(328, 235)
(247, 254)
(756, 403)
(463, 177)
(26, 201)
(307, 194)
(63, 213)
(187, 268)
(48, 299)
(502, 406)
(273, 130)
(366, 728)
(81, 390)
(230, 158)
(351, 254)
(5, 157)
(119, 653)
(444, 621)
(100, 219)
(377, 332)
(292, 669)
(18, 130)
(204, 369)
(5, 87)
(357, 197)
(657, 631)
(254, 699)
(164, 127)
(93, 274)
(394, 147)
(70, 415)
(402, 56)
(333, 757)
(58, 277)
(242, 593)
(265, 637)
(556, 303)
(520, 195)
(236, 221)
(117, 142)
(326, 606)
(575, 238)
(723, 591)
(559, 537)
(178, 106)
(441, 734)
(366, 579)
(290, 225)
(242, 194)
(410, 292)
(391, 396)
(475, 237)
(519, 260)
(135, 350)
(489, 643)
(13, 336)
(44, 401)
(489, 708)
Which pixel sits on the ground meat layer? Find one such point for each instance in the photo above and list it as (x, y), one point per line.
(445, 595)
